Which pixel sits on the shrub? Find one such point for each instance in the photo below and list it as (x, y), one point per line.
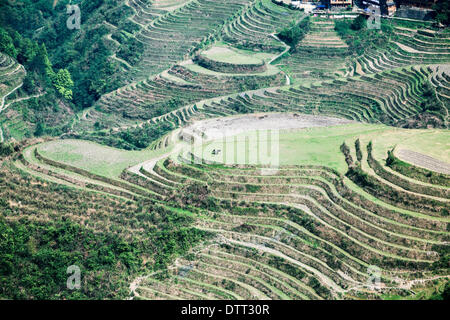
(293, 34)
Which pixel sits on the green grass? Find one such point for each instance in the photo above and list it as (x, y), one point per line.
(320, 146)
(271, 70)
(228, 55)
(312, 146)
(96, 158)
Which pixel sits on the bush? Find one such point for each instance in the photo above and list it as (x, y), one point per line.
(293, 34)
(359, 23)
(6, 149)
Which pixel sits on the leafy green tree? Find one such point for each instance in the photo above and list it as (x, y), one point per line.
(442, 8)
(28, 50)
(6, 149)
(30, 83)
(6, 44)
(446, 293)
(359, 23)
(430, 103)
(41, 62)
(39, 129)
(63, 83)
(294, 33)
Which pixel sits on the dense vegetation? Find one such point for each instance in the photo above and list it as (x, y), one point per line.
(129, 77)
(34, 25)
(39, 240)
(132, 138)
(442, 8)
(361, 39)
(294, 33)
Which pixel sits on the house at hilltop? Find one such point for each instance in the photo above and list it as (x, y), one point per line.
(338, 3)
(391, 8)
(387, 7)
(307, 5)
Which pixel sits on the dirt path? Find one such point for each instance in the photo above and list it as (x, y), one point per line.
(114, 56)
(2, 107)
(408, 284)
(24, 98)
(6, 95)
(150, 164)
(19, 66)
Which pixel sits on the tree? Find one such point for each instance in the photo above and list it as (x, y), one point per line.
(294, 33)
(442, 8)
(63, 83)
(28, 50)
(359, 23)
(31, 82)
(41, 62)
(39, 129)
(430, 102)
(446, 293)
(7, 44)
(6, 149)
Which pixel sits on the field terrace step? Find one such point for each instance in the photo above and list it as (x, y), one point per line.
(122, 185)
(321, 53)
(440, 79)
(364, 226)
(28, 194)
(248, 173)
(403, 183)
(157, 96)
(406, 50)
(253, 28)
(35, 166)
(388, 97)
(391, 193)
(416, 172)
(262, 276)
(177, 32)
(11, 76)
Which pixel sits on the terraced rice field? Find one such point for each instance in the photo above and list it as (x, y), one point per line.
(321, 54)
(11, 76)
(174, 34)
(353, 196)
(425, 161)
(413, 47)
(357, 98)
(254, 27)
(307, 232)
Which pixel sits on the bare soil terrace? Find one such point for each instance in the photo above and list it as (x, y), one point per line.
(423, 161)
(229, 126)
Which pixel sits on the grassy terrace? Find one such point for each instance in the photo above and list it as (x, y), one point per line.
(224, 54)
(11, 78)
(155, 97)
(321, 54)
(344, 197)
(306, 232)
(410, 47)
(262, 234)
(252, 29)
(173, 35)
(11, 74)
(389, 97)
